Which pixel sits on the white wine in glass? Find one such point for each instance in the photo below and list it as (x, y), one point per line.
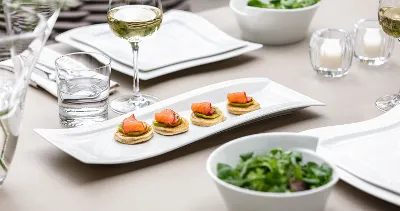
(134, 20)
(389, 19)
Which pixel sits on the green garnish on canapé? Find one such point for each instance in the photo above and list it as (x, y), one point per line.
(159, 124)
(243, 105)
(134, 134)
(216, 114)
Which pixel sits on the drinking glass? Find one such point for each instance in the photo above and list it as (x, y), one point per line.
(25, 39)
(389, 11)
(134, 20)
(83, 86)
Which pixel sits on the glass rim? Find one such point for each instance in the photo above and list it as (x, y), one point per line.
(39, 29)
(321, 31)
(108, 64)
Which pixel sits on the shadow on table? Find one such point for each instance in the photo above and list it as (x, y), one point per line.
(216, 66)
(82, 173)
(351, 193)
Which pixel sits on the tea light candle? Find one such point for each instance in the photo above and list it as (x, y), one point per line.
(331, 54)
(372, 42)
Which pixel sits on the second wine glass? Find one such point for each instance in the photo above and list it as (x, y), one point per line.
(389, 19)
(134, 20)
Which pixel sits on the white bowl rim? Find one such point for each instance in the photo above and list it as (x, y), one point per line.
(334, 180)
(273, 10)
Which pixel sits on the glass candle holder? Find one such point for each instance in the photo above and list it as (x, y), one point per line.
(372, 46)
(331, 52)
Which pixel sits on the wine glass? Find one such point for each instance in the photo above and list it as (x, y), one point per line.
(134, 20)
(389, 19)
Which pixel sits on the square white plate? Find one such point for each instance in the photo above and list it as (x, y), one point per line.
(367, 153)
(95, 144)
(183, 36)
(66, 38)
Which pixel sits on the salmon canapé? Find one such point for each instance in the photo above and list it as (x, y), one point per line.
(131, 125)
(203, 108)
(167, 116)
(239, 97)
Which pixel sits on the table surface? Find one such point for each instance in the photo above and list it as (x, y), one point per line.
(44, 178)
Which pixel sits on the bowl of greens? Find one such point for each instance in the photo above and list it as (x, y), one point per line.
(274, 22)
(274, 172)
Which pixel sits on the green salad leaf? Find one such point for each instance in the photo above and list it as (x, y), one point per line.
(282, 4)
(277, 171)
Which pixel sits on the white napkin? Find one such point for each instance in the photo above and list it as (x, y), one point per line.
(48, 57)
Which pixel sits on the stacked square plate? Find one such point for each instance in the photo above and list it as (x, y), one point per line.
(367, 153)
(185, 40)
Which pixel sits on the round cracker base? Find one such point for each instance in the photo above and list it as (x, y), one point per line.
(170, 131)
(206, 122)
(121, 138)
(240, 110)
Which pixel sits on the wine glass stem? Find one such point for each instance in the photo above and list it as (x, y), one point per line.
(135, 49)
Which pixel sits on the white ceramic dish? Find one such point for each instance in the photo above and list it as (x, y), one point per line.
(379, 136)
(273, 26)
(96, 145)
(182, 37)
(66, 38)
(239, 199)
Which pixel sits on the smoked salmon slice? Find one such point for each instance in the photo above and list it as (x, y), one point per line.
(167, 116)
(239, 97)
(203, 108)
(131, 125)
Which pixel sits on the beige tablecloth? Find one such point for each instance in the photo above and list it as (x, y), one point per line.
(43, 178)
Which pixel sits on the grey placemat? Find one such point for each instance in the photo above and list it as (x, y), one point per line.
(64, 25)
(185, 5)
(73, 15)
(95, 1)
(171, 3)
(96, 18)
(95, 8)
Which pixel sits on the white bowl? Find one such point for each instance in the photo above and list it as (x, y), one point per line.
(240, 199)
(273, 26)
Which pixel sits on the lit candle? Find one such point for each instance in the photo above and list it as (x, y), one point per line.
(331, 54)
(372, 42)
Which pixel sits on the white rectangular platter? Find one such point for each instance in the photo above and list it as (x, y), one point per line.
(182, 37)
(367, 153)
(95, 144)
(67, 38)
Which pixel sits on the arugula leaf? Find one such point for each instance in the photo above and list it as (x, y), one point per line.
(246, 156)
(224, 170)
(256, 3)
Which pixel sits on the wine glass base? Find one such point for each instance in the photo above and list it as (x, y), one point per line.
(387, 102)
(129, 103)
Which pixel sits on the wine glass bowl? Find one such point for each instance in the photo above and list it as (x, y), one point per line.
(389, 19)
(134, 20)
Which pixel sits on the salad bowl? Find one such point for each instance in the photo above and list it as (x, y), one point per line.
(272, 26)
(239, 199)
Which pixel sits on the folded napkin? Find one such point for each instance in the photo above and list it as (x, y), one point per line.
(47, 58)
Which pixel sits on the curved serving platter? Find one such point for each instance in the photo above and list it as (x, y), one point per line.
(95, 144)
(367, 153)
